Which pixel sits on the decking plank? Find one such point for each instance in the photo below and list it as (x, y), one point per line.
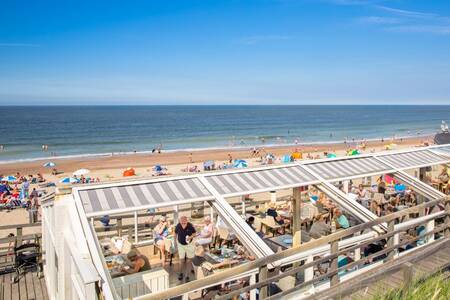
(37, 287)
(29, 284)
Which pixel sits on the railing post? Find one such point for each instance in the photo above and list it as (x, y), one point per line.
(391, 240)
(334, 279)
(19, 232)
(263, 274)
(447, 218)
(119, 226)
(407, 275)
(429, 228)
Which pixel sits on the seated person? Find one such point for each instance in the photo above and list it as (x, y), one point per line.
(363, 196)
(199, 260)
(271, 211)
(161, 232)
(138, 263)
(105, 220)
(205, 235)
(251, 221)
(341, 219)
(319, 228)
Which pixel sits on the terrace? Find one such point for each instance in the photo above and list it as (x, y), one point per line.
(294, 191)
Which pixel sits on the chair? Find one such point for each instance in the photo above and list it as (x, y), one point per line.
(224, 235)
(286, 283)
(270, 225)
(257, 224)
(378, 198)
(26, 257)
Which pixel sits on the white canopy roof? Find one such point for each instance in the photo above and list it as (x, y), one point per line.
(165, 191)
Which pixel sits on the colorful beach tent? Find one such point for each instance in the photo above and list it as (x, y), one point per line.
(9, 178)
(157, 168)
(286, 159)
(128, 172)
(353, 152)
(49, 164)
(240, 163)
(69, 180)
(297, 155)
(331, 155)
(81, 172)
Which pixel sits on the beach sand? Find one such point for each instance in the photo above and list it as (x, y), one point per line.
(110, 168)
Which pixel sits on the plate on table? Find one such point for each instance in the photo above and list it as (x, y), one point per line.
(287, 241)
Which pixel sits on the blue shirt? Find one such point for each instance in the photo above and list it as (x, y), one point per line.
(343, 222)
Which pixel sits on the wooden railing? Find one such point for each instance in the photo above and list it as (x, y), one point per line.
(7, 244)
(268, 275)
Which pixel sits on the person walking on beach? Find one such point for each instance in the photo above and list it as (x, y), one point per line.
(190, 158)
(230, 158)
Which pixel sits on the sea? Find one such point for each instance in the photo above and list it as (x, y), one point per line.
(77, 131)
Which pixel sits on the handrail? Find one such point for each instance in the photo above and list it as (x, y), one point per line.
(25, 225)
(262, 262)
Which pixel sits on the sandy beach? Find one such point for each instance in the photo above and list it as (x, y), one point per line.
(108, 168)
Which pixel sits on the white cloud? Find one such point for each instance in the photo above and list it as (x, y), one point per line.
(379, 20)
(441, 30)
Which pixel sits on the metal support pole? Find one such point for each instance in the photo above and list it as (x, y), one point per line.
(243, 206)
(273, 196)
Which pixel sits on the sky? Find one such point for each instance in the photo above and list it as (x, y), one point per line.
(224, 52)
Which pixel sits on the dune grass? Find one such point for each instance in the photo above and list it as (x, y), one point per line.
(436, 287)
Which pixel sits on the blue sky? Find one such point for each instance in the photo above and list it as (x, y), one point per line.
(225, 52)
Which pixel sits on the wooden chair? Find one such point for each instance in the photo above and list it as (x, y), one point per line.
(224, 235)
(270, 225)
(286, 283)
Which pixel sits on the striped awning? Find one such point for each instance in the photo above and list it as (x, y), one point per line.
(444, 150)
(413, 159)
(350, 167)
(152, 194)
(241, 183)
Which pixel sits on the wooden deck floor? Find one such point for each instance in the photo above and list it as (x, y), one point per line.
(29, 287)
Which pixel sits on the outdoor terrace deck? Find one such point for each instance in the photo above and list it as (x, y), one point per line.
(29, 287)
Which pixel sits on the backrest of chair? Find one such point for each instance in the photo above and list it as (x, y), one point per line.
(199, 273)
(257, 224)
(286, 283)
(378, 197)
(270, 221)
(223, 233)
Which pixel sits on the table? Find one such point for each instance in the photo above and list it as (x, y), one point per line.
(278, 241)
(115, 263)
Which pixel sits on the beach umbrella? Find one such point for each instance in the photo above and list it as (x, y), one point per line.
(9, 178)
(69, 180)
(240, 163)
(331, 155)
(49, 164)
(158, 168)
(80, 172)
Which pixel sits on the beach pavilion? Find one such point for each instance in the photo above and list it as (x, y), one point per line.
(76, 267)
